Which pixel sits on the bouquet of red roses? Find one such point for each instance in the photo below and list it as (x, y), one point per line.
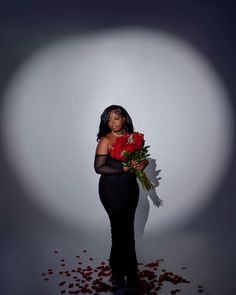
(131, 147)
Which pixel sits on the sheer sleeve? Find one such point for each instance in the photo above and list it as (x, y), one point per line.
(102, 167)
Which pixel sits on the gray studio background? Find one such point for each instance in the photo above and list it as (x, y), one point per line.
(204, 240)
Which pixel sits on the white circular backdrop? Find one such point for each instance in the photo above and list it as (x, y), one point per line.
(53, 106)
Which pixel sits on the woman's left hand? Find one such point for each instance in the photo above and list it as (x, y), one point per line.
(139, 166)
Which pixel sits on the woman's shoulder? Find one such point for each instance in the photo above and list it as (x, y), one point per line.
(104, 144)
(104, 139)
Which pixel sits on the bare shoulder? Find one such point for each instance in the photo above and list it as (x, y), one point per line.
(103, 145)
(104, 140)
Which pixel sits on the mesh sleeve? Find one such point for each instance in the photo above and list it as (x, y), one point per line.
(102, 167)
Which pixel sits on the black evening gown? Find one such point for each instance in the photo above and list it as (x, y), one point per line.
(119, 194)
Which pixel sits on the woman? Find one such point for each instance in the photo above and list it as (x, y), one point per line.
(119, 193)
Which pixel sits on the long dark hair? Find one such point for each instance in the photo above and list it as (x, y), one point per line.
(104, 128)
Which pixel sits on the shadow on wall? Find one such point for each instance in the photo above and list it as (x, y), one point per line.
(143, 208)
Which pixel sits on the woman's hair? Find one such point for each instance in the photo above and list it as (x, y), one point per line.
(104, 128)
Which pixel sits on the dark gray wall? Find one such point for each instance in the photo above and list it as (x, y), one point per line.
(28, 235)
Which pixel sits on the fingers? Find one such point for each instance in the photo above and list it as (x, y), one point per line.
(139, 166)
(134, 164)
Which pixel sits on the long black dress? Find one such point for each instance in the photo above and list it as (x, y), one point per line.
(119, 193)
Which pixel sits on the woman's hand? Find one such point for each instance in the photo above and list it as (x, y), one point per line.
(141, 165)
(126, 168)
(137, 166)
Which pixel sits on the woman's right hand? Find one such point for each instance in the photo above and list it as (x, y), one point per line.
(126, 168)
(132, 165)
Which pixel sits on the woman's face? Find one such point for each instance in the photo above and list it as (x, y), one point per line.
(115, 121)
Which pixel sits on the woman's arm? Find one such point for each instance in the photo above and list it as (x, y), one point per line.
(103, 146)
(100, 161)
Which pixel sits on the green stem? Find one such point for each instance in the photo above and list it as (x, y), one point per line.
(146, 183)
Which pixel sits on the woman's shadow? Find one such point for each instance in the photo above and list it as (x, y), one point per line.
(142, 211)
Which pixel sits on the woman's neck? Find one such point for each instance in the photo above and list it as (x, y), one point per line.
(119, 133)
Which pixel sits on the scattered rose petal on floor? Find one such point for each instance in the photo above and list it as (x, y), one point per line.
(89, 279)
